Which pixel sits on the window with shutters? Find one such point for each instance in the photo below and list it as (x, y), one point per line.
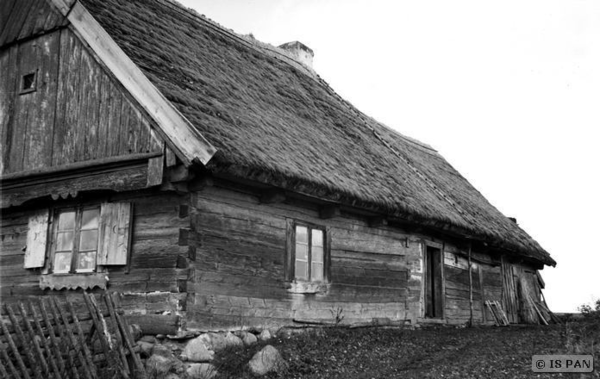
(308, 257)
(73, 245)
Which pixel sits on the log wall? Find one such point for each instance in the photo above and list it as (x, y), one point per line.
(77, 112)
(239, 247)
(155, 279)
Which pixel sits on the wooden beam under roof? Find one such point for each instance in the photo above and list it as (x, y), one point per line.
(272, 195)
(329, 211)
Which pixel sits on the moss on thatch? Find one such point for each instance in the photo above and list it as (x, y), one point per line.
(276, 123)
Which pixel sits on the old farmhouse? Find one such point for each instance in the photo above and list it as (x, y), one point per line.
(150, 151)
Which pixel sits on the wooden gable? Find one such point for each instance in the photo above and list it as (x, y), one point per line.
(77, 112)
(21, 19)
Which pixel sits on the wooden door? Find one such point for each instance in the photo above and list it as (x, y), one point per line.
(433, 283)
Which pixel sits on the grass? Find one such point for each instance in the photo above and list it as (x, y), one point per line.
(440, 352)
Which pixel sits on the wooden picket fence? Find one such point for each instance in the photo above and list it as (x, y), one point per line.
(43, 339)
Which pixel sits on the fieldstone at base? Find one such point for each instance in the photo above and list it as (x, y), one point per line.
(265, 335)
(249, 339)
(158, 366)
(266, 360)
(145, 348)
(213, 341)
(197, 351)
(201, 371)
(163, 351)
(232, 340)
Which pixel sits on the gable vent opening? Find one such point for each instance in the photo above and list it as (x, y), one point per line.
(28, 83)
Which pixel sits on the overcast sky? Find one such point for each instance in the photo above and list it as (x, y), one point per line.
(507, 91)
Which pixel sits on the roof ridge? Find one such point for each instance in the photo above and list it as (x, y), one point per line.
(249, 40)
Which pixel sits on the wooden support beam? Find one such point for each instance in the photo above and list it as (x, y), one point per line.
(77, 167)
(201, 183)
(329, 211)
(470, 288)
(170, 157)
(180, 188)
(179, 173)
(377, 221)
(155, 324)
(273, 195)
(155, 171)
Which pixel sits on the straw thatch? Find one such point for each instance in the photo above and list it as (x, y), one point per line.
(276, 122)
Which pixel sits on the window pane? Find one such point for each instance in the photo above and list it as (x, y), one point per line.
(301, 270)
(86, 262)
(317, 254)
(66, 220)
(302, 234)
(64, 241)
(62, 262)
(317, 237)
(302, 252)
(88, 240)
(89, 219)
(317, 271)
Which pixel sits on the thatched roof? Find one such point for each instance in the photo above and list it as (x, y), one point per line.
(276, 122)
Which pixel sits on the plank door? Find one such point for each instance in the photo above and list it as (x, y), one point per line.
(433, 283)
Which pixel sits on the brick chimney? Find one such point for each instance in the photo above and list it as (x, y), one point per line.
(300, 52)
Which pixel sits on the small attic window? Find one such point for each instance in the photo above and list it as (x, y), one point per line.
(28, 83)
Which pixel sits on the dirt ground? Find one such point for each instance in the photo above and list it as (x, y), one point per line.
(440, 352)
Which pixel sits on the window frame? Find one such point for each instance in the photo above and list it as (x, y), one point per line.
(290, 269)
(75, 251)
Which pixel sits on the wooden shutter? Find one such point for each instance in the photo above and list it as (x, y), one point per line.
(290, 242)
(327, 255)
(115, 229)
(37, 237)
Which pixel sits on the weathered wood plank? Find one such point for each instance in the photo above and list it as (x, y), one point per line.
(8, 68)
(84, 129)
(170, 157)
(6, 8)
(60, 125)
(91, 102)
(155, 171)
(72, 135)
(115, 121)
(40, 122)
(18, 15)
(104, 87)
(30, 19)
(351, 240)
(156, 324)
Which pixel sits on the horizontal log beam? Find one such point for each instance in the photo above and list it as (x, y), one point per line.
(377, 221)
(329, 211)
(271, 196)
(85, 165)
(201, 183)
